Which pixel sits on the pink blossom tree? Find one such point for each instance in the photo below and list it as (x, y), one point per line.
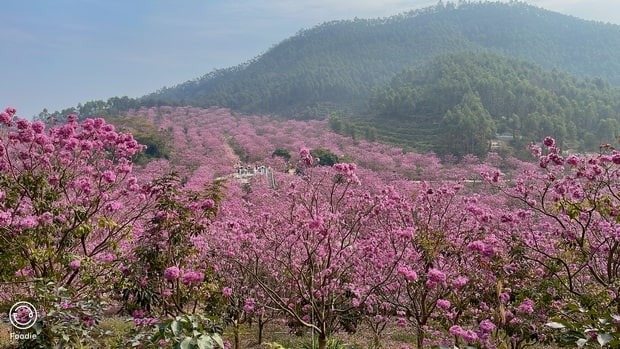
(67, 197)
(568, 226)
(307, 246)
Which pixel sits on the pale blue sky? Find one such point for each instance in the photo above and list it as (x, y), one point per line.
(58, 53)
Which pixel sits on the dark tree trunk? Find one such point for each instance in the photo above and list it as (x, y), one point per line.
(261, 325)
(420, 338)
(322, 341)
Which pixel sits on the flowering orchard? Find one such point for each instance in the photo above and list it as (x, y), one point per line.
(488, 254)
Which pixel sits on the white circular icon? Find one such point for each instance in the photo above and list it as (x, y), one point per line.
(23, 315)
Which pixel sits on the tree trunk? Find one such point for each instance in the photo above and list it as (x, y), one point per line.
(236, 334)
(261, 324)
(376, 340)
(420, 338)
(322, 341)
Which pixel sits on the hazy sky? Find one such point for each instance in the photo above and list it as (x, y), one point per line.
(56, 54)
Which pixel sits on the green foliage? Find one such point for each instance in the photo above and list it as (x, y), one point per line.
(582, 327)
(332, 343)
(67, 320)
(187, 331)
(370, 133)
(239, 150)
(157, 141)
(310, 344)
(111, 108)
(326, 156)
(281, 152)
(113, 332)
(274, 345)
(457, 103)
(335, 124)
(468, 127)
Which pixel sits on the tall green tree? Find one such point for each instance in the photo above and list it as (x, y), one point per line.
(468, 127)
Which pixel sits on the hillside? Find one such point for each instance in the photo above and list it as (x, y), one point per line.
(335, 66)
(459, 102)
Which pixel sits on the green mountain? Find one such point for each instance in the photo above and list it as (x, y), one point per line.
(336, 65)
(460, 102)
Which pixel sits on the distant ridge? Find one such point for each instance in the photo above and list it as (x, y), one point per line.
(336, 65)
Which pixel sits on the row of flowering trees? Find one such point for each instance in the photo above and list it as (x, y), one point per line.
(332, 254)
(526, 257)
(508, 265)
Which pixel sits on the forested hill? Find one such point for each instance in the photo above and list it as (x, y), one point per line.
(336, 65)
(459, 103)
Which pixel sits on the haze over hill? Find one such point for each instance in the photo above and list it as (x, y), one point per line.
(530, 59)
(337, 64)
(63, 53)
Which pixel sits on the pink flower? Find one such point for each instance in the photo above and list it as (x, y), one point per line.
(345, 169)
(409, 274)
(25, 272)
(227, 292)
(516, 321)
(486, 326)
(10, 110)
(489, 251)
(469, 336)
(526, 307)
(172, 273)
(249, 305)
(549, 142)
(456, 330)
(572, 160)
(316, 223)
(504, 297)
(5, 119)
(28, 222)
(46, 218)
(443, 304)
(107, 258)
(460, 281)
(536, 151)
(114, 206)
(75, 264)
(207, 204)
(109, 176)
(138, 314)
(477, 246)
(38, 127)
(22, 124)
(435, 277)
(5, 218)
(192, 277)
(144, 322)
